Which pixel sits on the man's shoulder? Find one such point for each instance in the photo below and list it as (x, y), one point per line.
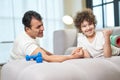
(20, 36)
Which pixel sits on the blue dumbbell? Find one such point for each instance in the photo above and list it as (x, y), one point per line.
(28, 58)
(37, 57)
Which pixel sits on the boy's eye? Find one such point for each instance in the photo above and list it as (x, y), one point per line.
(90, 23)
(84, 26)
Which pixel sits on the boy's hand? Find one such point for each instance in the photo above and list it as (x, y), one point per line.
(78, 52)
(107, 32)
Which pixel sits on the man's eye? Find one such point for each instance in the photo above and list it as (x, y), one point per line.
(37, 27)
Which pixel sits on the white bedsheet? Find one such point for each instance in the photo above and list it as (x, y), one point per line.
(76, 69)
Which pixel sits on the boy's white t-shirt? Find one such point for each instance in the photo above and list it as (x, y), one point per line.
(23, 45)
(96, 47)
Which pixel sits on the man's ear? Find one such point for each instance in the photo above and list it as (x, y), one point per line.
(27, 28)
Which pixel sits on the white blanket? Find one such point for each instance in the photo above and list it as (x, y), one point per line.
(76, 69)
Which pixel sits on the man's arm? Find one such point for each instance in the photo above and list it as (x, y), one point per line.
(54, 58)
(48, 53)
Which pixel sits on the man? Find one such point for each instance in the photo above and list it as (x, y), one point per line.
(26, 43)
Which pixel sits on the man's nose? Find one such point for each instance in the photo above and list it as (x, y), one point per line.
(42, 28)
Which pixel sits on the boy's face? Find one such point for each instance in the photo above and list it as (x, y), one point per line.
(87, 29)
(36, 29)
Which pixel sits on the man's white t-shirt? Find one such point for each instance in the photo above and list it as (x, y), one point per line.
(23, 45)
(95, 48)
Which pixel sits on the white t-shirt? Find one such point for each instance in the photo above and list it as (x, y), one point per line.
(96, 47)
(23, 45)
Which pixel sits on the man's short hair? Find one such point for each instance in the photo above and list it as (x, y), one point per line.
(26, 20)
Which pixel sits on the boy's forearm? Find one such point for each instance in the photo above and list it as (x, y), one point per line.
(107, 47)
(86, 54)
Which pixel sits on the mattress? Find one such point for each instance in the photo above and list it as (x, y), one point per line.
(75, 69)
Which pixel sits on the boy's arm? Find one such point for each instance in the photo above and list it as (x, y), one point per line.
(79, 51)
(83, 52)
(86, 54)
(107, 45)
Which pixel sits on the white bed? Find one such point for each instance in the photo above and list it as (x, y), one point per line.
(76, 69)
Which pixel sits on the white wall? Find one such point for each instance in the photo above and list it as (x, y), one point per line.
(0, 72)
(71, 7)
(12, 16)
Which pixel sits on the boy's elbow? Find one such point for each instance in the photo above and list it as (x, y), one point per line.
(108, 56)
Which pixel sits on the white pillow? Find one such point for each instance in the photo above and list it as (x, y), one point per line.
(115, 50)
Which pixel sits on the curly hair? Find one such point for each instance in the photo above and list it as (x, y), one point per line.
(86, 15)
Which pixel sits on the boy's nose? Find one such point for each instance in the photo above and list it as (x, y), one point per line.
(88, 27)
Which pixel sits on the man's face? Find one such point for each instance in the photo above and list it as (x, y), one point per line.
(36, 29)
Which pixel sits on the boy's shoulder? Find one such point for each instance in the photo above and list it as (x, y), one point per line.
(80, 34)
